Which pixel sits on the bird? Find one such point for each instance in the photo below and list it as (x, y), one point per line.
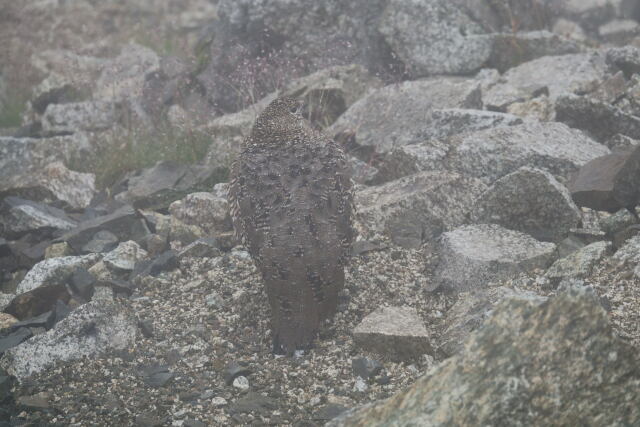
(291, 204)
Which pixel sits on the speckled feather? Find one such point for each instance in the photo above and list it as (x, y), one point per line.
(291, 205)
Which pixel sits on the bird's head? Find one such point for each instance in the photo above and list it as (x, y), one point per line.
(280, 121)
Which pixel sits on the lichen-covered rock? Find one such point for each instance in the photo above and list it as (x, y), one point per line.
(393, 332)
(417, 208)
(578, 265)
(92, 329)
(123, 77)
(586, 374)
(207, 211)
(492, 153)
(626, 59)
(78, 116)
(529, 200)
(399, 114)
(54, 271)
(124, 257)
(556, 75)
(473, 256)
(457, 44)
(469, 313)
(582, 374)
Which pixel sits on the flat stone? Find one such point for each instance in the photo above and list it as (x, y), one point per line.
(531, 201)
(394, 332)
(102, 241)
(417, 208)
(207, 211)
(20, 216)
(254, 403)
(14, 339)
(473, 256)
(92, 329)
(626, 59)
(617, 222)
(492, 153)
(87, 116)
(124, 257)
(54, 271)
(365, 368)
(584, 371)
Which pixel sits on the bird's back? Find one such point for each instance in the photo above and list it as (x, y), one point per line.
(291, 205)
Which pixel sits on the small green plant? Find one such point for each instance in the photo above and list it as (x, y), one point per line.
(11, 112)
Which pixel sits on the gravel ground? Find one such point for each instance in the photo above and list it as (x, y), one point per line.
(212, 312)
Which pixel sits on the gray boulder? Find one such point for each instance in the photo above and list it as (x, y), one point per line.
(417, 208)
(457, 44)
(78, 116)
(586, 373)
(528, 200)
(600, 119)
(19, 216)
(207, 211)
(469, 313)
(54, 271)
(89, 331)
(124, 257)
(619, 31)
(393, 332)
(578, 265)
(626, 59)
(399, 114)
(473, 256)
(554, 75)
(490, 154)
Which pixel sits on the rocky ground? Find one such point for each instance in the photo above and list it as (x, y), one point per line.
(497, 171)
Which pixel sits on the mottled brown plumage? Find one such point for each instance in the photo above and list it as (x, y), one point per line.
(291, 204)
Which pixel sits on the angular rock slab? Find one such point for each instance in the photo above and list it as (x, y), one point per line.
(417, 208)
(398, 114)
(92, 329)
(54, 271)
(209, 212)
(555, 75)
(20, 216)
(472, 256)
(456, 43)
(72, 117)
(490, 154)
(580, 264)
(469, 313)
(394, 332)
(531, 201)
(555, 362)
(609, 183)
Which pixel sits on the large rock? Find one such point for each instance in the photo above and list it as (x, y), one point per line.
(257, 44)
(393, 332)
(158, 186)
(124, 257)
(469, 313)
(529, 200)
(209, 212)
(19, 216)
(54, 271)
(555, 75)
(89, 331)
(473, 256)
(493, 153)
(609, 183)
(533, 362)
(456, 44)
(399, 114)
(512, 49)
(626, 59)
(580, 264)
(417, 208)
(600, 119)
(123, 77)
(78, 116)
